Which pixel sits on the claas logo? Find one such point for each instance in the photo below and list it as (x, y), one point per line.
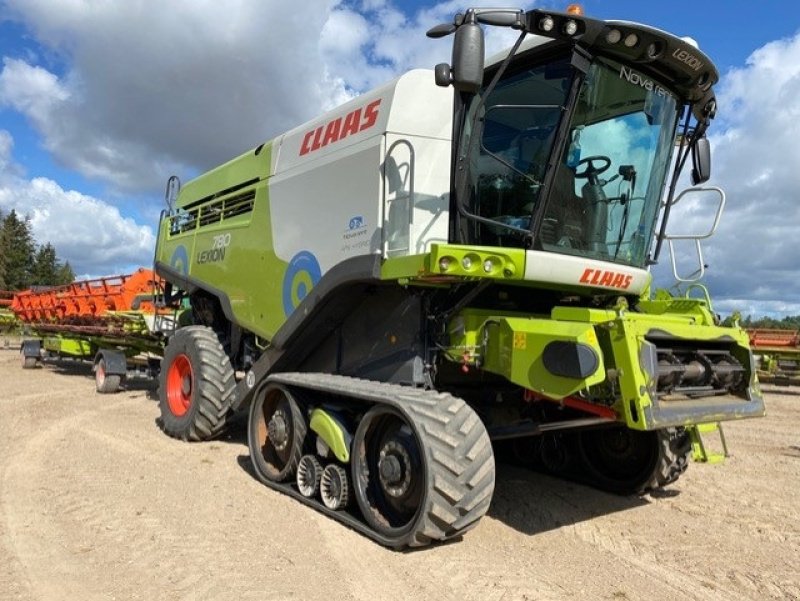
(338, 129)
(608, 279)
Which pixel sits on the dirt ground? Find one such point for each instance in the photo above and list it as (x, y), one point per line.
(97, 503)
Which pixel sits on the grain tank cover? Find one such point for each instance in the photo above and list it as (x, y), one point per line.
(410, 105)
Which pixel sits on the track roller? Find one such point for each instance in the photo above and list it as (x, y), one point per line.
(309, 474)
(276, 433)
(334, 487)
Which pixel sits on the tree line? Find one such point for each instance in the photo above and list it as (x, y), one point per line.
(23, 262)
(790, 322)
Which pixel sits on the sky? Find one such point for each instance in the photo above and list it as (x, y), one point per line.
(102, 100)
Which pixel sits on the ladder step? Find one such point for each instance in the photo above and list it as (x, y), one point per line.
(700, 452)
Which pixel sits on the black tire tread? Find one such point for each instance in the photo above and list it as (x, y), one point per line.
(214, 383)
(461, 464)
(670, 459)
(110, 383)
(674, 461)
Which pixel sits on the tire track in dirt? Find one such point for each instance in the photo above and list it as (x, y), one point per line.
(646, 563)
(96, 530)
(96, 503)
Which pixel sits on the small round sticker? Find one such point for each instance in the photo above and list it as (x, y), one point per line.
(301, 276)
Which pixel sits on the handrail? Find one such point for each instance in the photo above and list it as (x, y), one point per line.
(670, 238)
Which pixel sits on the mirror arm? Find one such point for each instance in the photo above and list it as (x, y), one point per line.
(683, 154)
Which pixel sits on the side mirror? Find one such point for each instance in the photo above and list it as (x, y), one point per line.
(467, 71)
(466, 75)
(701, 160)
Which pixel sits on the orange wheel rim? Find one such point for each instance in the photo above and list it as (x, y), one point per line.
(179, 385)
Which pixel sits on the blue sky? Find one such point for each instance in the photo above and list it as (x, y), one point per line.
(101, 101)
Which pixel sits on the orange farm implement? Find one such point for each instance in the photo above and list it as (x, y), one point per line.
(779, 352)
(7, 319)
(113, 321)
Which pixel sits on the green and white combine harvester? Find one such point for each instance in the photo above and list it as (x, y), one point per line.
(455, 258)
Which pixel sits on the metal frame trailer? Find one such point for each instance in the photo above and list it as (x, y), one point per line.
(778, 355)
(113, 322)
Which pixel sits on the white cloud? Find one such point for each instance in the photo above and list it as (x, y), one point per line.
(153, 88)
(6, 146)
(747, 307)
(88, 232)
(382, 41)
(753, 257)
(31, 90)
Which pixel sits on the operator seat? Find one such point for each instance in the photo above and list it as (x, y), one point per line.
(564, 221)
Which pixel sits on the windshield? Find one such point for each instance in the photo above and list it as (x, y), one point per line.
(609, 174)
(609, 180)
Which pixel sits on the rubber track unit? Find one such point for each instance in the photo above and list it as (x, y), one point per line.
(457, 449)
(213, 383)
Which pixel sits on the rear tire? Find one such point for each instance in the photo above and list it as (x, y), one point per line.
(195, 384)
(104, 382)
(27, 362)
(675, 448)
(632, 462)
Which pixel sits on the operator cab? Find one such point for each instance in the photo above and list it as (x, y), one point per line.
(564, 144)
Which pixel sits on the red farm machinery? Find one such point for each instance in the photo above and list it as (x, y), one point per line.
(113, 321)
(7, 319)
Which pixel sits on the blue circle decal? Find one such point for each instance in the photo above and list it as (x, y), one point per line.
(301, 276)
(180, 260)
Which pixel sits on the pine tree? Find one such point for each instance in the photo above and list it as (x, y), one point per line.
(3, 285)
(18, 250)
(45, 266)
(64, 274)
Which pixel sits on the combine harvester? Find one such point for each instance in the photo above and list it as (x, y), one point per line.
(112, 321)
(456, 258)
(778, 352)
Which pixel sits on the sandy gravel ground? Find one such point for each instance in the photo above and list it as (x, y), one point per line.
(96, 503)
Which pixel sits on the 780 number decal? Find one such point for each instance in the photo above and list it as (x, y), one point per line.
(216, 253)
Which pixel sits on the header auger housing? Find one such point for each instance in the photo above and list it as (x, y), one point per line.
(455, 258)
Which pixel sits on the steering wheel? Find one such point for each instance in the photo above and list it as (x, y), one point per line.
(592, 171)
